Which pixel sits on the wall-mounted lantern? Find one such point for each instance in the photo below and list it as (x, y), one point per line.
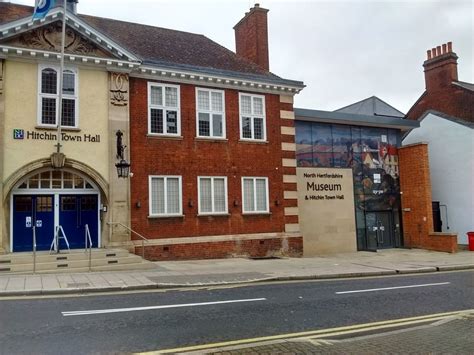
(123, 167)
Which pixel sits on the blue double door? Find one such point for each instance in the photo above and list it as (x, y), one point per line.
(47, 213)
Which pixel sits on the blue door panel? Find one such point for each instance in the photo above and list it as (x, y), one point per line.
(89, 215)
(69, 219)
(75, 211)
(22, 222)
(44, 221)
(29, 211)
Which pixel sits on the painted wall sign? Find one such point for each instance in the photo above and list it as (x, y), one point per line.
(323, 186)
(47, 136)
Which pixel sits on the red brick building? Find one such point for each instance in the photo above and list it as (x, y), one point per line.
(212, 147)
(444, 92)
(438, 158)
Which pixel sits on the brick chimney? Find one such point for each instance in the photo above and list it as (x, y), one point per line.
(441, 67)
(251, 37)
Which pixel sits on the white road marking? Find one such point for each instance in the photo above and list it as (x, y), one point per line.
(134, 309)
(392, 288)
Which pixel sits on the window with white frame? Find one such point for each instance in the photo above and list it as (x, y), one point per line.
(252, 117)
(165, 196)
(212, 194)
(210, 113)
(49, 97)
(163, 109)
(255, 194)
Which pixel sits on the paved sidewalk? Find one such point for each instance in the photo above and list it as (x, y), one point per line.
(168, 274)
(451, 336)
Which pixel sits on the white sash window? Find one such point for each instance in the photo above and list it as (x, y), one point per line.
(165, 196)
(252, 117)
(255, 195)
(48, 102)
(210, 113)
(163, 110)
(212, 195)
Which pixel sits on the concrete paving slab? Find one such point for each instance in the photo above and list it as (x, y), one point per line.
(3, 283)
(16, 283)
(50, 282)
(33, 282)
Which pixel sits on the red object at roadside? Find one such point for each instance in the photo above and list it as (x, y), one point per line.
(470, 239)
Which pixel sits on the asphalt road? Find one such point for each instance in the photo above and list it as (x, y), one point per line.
(116, 323)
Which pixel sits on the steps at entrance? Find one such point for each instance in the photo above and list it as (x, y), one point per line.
(73, 261)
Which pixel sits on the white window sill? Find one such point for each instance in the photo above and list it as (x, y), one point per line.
(256, 213)
(164, 136)
(55, 128)
(213, 214)
(211, 139)
(166, 216)
(257, 141)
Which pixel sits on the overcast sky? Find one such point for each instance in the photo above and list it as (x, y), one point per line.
(344, 51)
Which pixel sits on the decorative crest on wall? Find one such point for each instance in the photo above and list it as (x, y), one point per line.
(49, 38)
(119, 89)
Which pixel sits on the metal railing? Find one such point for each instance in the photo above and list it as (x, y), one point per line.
(34, 249)
(144, 239)
(88, 245)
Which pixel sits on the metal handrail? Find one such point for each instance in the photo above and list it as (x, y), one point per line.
(87, 237)
(34, 249)
(144, 239)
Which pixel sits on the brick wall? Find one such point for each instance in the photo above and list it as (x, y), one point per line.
(224, 249)
(415, 185)
(451, 100)
(191, 157)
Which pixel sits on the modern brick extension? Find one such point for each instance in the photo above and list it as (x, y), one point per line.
(415, 185)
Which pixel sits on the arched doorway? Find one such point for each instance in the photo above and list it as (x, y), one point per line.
(51, 198)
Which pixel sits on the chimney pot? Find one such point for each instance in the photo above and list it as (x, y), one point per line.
(440, 67)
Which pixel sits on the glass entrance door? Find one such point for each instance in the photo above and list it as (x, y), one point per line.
(379, 230)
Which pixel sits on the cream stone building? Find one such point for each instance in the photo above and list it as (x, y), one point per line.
(85, 190)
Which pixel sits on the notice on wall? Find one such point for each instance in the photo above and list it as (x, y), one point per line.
(326, 210)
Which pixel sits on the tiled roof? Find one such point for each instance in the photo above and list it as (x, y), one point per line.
(160, 46)
(11, 12)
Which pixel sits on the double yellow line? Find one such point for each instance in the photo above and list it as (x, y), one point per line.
(323, 333)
